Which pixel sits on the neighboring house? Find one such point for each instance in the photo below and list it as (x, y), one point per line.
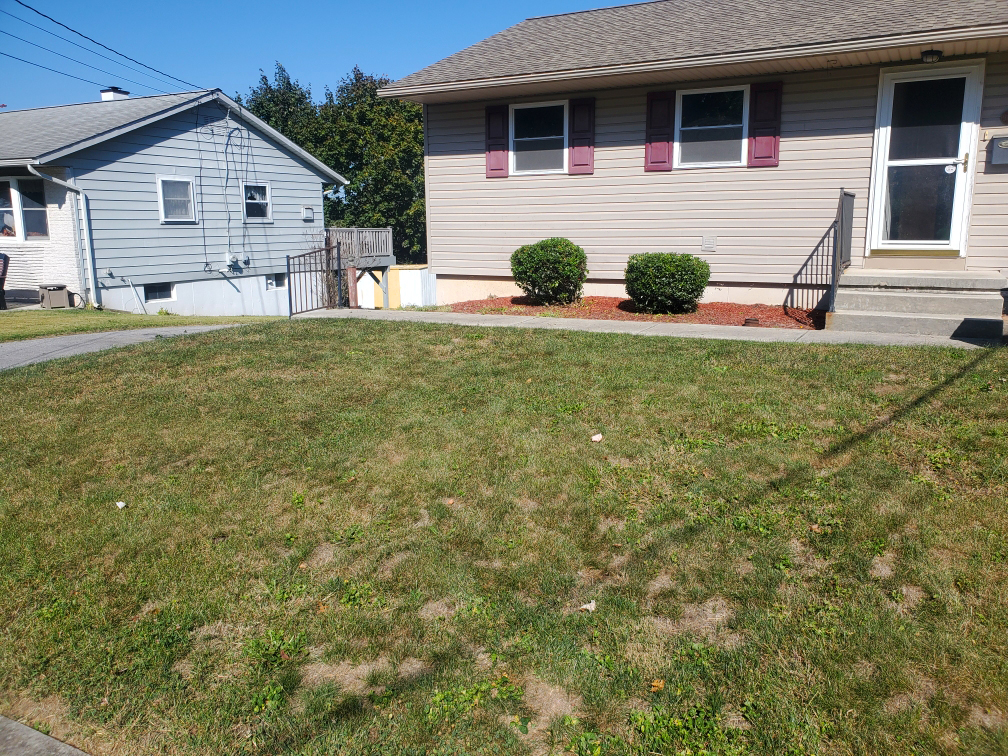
(726, 129)
(184, 202)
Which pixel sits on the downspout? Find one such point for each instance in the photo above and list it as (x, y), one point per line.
(92, 270)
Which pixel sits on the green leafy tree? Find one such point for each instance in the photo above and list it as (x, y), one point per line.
(376, 144)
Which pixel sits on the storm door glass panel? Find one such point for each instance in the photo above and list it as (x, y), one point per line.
(923, 165)
(6, 210)
(921, 199)
(539, 138)
(927, 119)
(33, 209)
(710, 127)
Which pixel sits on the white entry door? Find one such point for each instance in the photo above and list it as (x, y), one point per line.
(925, 159)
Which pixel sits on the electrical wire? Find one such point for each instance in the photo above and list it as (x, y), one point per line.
(81, 62)
(161, 80)
(64, 73)
(121, 55)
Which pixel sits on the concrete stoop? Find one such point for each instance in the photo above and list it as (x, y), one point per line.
(966, 304)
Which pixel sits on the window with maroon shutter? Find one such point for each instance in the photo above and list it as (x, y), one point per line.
(764, 123)
(659, 131)
(582, 136)
(497, 141)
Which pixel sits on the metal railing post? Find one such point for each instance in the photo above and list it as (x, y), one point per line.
(339, 275)
(290, 285)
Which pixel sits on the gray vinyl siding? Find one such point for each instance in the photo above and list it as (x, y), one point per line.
(120, 179)
(988, 237)
(767, 220)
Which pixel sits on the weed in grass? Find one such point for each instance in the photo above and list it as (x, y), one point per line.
(275, 648)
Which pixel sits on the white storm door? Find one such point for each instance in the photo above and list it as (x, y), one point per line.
(925, 158)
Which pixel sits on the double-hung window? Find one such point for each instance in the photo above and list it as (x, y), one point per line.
(23, 212)
(711, 127)
(177, 199)
(539, 138)
(258, 202)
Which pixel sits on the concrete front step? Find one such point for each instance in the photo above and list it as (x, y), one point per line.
(914, 324)
(967, 303)
(923, 280)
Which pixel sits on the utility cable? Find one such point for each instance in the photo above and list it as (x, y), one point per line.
(88, 50)
(64, 73)
(121, 55)
(81, 62)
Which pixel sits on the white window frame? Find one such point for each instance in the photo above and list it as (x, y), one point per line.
(511, 137)
(192, 194)
(18, 210)
(269, 202)
(974, 71)
(172, 298)
(744, 141)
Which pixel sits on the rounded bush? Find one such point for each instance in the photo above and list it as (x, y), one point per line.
(666, 282)
(551, 271)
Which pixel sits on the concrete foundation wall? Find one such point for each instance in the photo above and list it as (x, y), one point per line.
(233, 295)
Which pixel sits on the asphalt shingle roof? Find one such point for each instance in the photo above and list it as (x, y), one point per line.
(29, 134)
(678, 30)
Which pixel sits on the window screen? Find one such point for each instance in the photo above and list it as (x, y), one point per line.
(256, 201)
(711, 127)
(539, 139)
(155, 291)
(177, 200)
(6, 210)
(33, 209)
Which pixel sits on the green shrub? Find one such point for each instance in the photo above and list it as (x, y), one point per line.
(666, 282)
(551, 271)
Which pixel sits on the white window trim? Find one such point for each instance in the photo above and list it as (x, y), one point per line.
(269, 202)
(172, 298)
(974, 71)
(19, 232)
(192, 195)
(511, 138)
(744, 142)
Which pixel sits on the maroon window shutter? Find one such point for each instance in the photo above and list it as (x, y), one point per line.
(765, 123)
(659, 131)
(582, 136)
(497, 141)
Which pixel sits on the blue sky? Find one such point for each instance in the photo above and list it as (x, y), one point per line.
(225, 44)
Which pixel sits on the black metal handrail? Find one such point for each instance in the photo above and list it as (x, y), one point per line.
(842, 233)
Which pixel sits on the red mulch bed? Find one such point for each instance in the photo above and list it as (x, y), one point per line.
(614, 308)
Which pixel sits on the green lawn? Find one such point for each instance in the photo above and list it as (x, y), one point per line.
(350, 537)
(31, 324)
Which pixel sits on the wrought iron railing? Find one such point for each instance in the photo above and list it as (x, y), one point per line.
(321, 277)
(814, 284)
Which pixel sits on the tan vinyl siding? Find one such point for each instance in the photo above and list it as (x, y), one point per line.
(988, 237)
(767, 220)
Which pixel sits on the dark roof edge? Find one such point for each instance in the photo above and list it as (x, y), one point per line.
(747, 56)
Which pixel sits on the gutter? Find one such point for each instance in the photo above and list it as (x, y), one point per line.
(828, 48)
(92, 270)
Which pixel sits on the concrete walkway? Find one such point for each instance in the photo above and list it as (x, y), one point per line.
(645, 328)
(19, 353)
(17, 739)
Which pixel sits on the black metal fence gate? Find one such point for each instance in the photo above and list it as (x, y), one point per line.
(315, 279)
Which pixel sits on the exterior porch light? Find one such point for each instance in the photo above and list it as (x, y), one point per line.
(931, 56)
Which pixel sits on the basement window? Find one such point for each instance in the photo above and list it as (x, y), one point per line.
(539, 141)
(177, 200)
(158, 292)
(257, 202)
(711, 127)
(276, 281)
